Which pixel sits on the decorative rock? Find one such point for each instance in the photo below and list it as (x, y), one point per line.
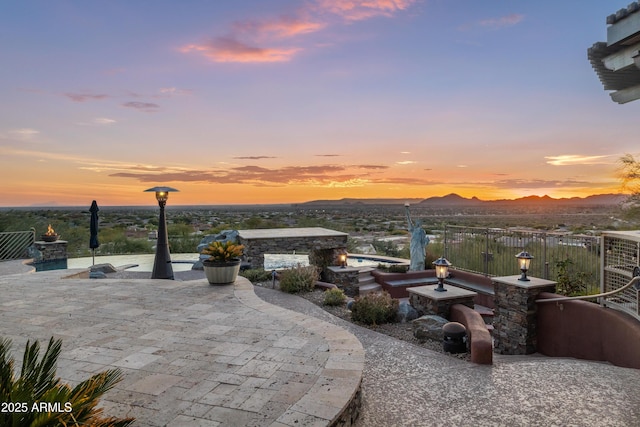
(223, 236)
(429, 327)
(33, 252)
(406, 312)
(350, 303)
(103, 268)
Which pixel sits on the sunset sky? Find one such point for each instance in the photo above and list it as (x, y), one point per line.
(293, 100)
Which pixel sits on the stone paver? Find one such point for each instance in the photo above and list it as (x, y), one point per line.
(210, 343)
(192, 354)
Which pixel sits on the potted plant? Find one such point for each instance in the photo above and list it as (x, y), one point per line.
(223, 263)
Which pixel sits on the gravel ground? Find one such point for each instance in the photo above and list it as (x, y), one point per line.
(401, 331)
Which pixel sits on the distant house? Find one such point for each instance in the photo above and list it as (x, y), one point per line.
(515, 241)
(135, 232)
(617, 61)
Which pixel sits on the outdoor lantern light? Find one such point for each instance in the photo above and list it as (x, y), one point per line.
(162, 264)
(162, 194)
(442, 271)
(524, 261)
(343, 260)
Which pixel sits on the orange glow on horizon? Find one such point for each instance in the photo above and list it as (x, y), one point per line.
(235, 194)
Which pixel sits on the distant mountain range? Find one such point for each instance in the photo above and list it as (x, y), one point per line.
(455, 200)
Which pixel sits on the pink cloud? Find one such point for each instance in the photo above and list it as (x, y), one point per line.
(246, 37)
(83, 97)
(357, 10)
(253, 175)
(284, 26)
(227, 49)
(147, 107)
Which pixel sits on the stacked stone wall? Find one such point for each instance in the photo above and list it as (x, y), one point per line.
(515, 329)
(425, 305)
(256, 248)
(51, 251)
(347, 279)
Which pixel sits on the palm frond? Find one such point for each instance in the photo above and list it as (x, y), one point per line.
(6, 378)
(39, 376)
(6, 370)
(38, 384)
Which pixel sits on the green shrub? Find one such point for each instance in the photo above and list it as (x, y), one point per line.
(571, 282)
(37, 384)
(374, 309)
(398, 268)
(298, 279)
(393, 268)
(334, 297)
(256, 275)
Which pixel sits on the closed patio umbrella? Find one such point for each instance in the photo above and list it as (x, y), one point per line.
(93, 230)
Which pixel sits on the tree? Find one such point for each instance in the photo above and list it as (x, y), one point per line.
(629, 173)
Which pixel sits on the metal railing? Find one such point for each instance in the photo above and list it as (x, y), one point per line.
(620, 254)
(14, 244)
(612, 299)
(571, 260)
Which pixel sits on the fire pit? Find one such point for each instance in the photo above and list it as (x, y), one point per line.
(50, 235)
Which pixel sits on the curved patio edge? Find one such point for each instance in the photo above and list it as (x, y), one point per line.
(17, 266)
(336, 395)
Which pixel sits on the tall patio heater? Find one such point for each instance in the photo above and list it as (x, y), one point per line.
(162, 268)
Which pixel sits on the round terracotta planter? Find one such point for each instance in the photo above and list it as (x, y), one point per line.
(221, 272)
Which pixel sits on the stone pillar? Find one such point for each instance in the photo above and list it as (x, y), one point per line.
(426, 300)
(347, 279)
(52, 251)
(515, 312)
(53, 255)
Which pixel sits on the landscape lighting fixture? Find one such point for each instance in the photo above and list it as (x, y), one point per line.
(162, 268)
(524, 261)
(442, 271)
(343, 260)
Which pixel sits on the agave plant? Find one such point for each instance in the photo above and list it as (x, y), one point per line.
(38, 398)
(223, 251)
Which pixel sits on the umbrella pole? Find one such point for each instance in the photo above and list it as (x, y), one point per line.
(93, 250)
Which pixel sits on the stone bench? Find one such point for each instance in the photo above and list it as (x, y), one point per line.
(397, 284)
(478, 283)
(399, 288)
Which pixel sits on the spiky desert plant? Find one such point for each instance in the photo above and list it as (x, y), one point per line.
(223, 251)
(38, 398)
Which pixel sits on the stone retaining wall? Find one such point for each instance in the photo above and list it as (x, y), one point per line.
(316, 246)
(351, 413)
